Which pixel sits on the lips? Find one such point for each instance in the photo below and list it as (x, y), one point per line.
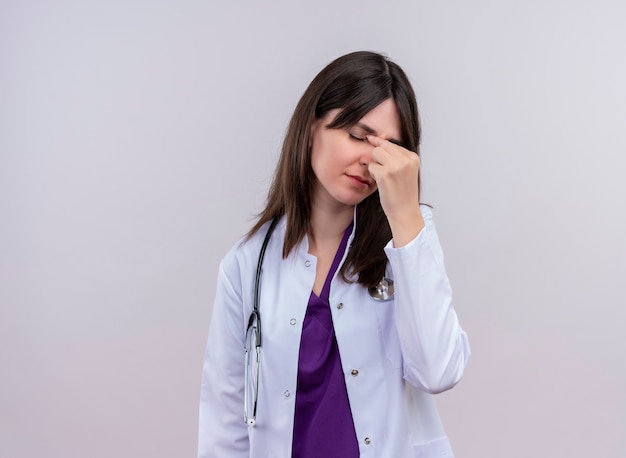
(360, 180)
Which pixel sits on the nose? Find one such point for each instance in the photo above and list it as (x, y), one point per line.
(366, 155)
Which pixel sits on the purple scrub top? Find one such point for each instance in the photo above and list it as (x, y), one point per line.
(323, 424)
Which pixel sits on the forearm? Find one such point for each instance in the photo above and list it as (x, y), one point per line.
(434, 346)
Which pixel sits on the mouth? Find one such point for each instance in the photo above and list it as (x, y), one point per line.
(360, 180)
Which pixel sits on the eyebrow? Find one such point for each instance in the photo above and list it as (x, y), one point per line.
(369, 130)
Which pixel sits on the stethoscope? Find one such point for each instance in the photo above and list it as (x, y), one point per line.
(383, 292)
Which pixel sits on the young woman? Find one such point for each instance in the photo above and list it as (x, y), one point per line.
(358, 329)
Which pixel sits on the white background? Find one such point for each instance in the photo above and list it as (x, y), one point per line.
(137, 140)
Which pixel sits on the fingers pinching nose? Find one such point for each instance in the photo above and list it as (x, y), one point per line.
(373, 140)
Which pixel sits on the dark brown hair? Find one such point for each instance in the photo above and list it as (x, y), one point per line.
(355, 83)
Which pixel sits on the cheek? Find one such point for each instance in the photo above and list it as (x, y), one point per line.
(322, 157)
(315, 161)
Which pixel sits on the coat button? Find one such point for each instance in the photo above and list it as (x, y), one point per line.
(292, 321)
(368, 441)
(354, 372)
(340, 305)
(307, 263)
(286, 393)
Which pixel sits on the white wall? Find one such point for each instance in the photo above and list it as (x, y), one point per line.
(137, 139)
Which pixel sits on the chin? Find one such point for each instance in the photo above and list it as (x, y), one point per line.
(351, 201)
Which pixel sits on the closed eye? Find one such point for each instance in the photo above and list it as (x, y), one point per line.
(356, 137)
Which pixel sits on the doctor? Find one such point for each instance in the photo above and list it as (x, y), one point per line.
(358, 328)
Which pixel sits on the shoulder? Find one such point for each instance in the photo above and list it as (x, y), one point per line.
(245, 252)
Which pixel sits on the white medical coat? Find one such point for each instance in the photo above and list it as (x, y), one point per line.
(394, 354)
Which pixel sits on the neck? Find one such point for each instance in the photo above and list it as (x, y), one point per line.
(328, 225)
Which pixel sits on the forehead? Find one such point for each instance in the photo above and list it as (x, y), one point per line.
(384, 120)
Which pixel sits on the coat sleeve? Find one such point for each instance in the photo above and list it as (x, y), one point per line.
(435, 349)
(222, 431)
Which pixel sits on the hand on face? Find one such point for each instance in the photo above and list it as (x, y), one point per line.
(395, 170)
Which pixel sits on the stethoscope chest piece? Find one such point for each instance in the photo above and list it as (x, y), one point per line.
(383, 291)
